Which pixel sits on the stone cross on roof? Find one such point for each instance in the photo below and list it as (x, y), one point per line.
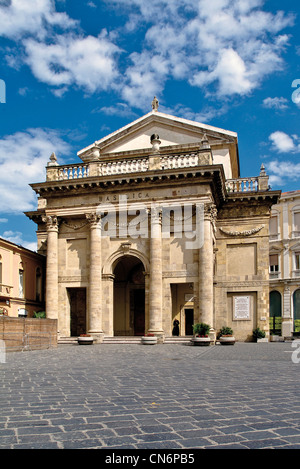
(155, 104)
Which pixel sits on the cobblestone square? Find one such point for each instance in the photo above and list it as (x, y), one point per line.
(158, 397)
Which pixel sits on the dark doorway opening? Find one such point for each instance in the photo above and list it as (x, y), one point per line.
(138, 304)
(77, 298)
(189, 321)
(129, 297)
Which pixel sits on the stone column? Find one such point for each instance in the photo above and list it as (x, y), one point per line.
(155, 286)
(206, 269)
(52, 267)
(94, 317)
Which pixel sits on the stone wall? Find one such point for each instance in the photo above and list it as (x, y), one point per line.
(28, 333)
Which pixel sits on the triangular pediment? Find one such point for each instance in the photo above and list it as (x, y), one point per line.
(172, 131)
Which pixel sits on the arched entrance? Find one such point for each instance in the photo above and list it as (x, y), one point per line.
(129, 297)
(275, 312)
(296, 307)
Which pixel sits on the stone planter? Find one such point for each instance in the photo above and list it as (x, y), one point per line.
(149, 340)
(262, 341)
(202, 341)
(85, 340)
(227, 340)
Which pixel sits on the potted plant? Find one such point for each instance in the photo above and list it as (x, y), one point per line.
(201, 334)
(85, 339)
(259, 335)
(149, 339)
(226, 336)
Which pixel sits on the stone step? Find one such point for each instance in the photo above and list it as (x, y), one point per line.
(122, 340)
(177, 340)
(67, 340)
(125, 340)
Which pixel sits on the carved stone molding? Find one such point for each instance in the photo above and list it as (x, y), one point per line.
(51, 222)
(94, 219)
(74, 226)
(210, 212)
(242, 233)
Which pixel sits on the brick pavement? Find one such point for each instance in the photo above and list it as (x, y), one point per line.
(157, 397)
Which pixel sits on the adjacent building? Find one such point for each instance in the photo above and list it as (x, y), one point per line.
(153, 225)
(22, 275)
(285, 265)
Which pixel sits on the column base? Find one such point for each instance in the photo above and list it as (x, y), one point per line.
(98, 336)
(159, 334)
(287, 327)
(212, 335)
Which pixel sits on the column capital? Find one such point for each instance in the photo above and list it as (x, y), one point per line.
(51, 222)
(210, 212)
(156, 214)
(94, 220)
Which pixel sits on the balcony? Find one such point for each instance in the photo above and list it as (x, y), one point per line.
(5, 290)
(142, 163)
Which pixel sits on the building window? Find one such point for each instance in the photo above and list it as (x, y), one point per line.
(273, 227)
(297, 262)
(296, 225)
(0, 275)
(21, 283)
(38, 285)
(275, 312)
(274, 265)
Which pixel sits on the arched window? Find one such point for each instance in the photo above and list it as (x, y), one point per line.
(275, 312)
(296, 304)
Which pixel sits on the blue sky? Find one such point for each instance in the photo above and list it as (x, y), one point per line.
(77, 70)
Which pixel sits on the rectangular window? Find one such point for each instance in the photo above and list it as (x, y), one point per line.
(21, 284)
(297, 260)
(273, 227)
(296, 227)
(274, 263)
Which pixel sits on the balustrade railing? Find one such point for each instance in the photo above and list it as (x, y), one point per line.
(123, 167)
(179, 161)
(242, 184)
(110, 168)
(72, 172)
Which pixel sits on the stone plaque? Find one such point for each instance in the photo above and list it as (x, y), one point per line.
(241, 309)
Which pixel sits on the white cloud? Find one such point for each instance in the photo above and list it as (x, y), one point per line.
(119, 109)
(275, 103)
(88, 62)
(23, 157)
(16, 237)
(282, 172)
(223, 46)
(284, 143)
(226, 47)
(20, 17)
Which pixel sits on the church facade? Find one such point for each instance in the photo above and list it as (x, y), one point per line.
(152, 226)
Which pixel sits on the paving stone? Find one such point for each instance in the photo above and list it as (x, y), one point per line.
(139, 398)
